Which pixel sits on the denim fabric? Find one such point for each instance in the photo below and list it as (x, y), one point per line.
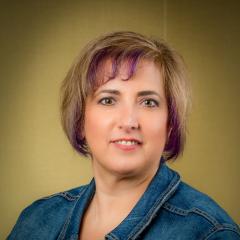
(169, 209)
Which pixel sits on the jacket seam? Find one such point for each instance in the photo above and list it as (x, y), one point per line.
(216, 225)
(155, 209)
(62, 234)
(219, 228)
(195, 210)
(173, 185)
(67, 195)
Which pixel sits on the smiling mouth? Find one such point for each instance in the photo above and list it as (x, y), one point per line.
(127, 142)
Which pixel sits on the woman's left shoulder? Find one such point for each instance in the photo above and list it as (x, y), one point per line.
(202, 212)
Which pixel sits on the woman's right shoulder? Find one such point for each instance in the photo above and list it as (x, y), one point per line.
(69, 195)
(56, 200)
(52, 209)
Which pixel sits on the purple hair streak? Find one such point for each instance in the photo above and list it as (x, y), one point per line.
(117, 58)
(87, 74)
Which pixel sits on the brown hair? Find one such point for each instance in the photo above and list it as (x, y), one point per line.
(121, 46)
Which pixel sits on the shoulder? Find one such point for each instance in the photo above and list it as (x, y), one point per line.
(202, 213)
(55, 202)
(52, 210)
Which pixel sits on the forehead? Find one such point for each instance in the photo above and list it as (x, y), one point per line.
(128, 70)
(146, 77)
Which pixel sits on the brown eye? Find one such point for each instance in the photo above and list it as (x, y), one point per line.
(106, 101)
(150, 103)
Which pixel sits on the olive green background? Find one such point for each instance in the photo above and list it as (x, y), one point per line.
(39, 40)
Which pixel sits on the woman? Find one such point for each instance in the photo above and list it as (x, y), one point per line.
(124, 104)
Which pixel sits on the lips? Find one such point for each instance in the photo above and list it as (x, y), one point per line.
(127, 144)
(127, 141)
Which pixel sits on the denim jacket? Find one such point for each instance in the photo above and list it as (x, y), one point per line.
(169, 209)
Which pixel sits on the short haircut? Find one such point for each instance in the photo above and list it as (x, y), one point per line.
(81, 80)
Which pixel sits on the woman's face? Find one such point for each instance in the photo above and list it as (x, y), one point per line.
(126, 121)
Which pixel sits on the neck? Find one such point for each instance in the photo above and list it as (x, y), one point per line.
(117, 195)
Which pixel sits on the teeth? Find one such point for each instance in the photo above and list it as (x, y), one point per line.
(127, 142)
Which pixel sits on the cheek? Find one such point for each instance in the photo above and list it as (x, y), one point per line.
(91, 124)
(155, 129)
(96, 125)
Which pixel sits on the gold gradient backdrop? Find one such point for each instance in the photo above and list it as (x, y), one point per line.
(39, 40)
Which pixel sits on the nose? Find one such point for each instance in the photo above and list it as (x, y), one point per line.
(129, 120)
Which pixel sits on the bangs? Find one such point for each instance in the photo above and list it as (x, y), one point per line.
(96, 75)
(102, 60)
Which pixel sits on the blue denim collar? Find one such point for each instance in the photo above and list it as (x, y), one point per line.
(160, 189)
(70, 230)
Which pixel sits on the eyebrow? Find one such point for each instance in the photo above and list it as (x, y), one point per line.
(139, 94)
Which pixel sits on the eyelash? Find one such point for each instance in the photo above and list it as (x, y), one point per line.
(102, 101)
(154, 103)
(106, 98)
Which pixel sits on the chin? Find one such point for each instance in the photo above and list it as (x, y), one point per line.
(127, 170)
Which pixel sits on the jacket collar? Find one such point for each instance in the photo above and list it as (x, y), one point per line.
(160, 189)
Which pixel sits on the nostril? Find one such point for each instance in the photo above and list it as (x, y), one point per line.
(128, 119)
(129, 126)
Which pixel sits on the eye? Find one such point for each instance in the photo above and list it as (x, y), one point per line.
(106, 101)
(150, 103)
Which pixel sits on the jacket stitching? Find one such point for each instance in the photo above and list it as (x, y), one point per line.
(216, 225)
(64, 229)
(220, 228)
(152, 212)
(174, 209)
(65, 226)
(67, 195)
(184, 212)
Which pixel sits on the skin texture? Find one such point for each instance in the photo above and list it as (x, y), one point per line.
(111, 116)
(123, 109)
